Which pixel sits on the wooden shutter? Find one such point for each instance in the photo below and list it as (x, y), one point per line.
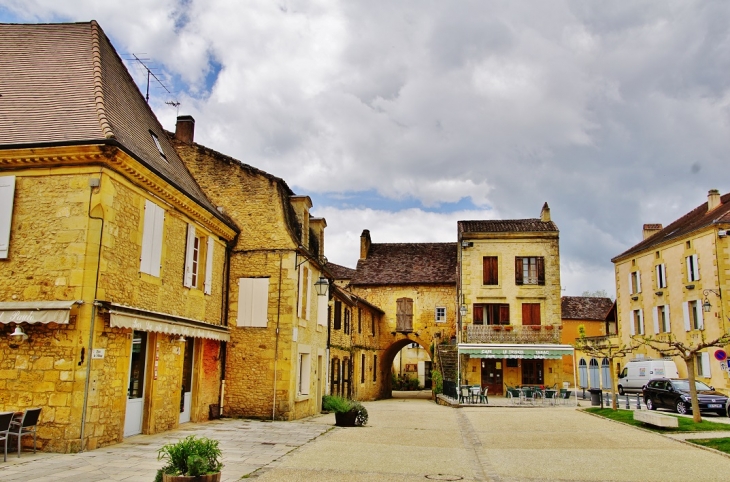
(655, 312)
(490, 270)
(705, 357)
(666, 317)
(478, 315)
(404, 314)
(641, 322)
(322, 302)
(253, 302)
(189, 254)
(632, 324)
(518, 271)
(541, 270)
(504, 314)
(307, 306)
(154, 220)
(700, 315)
(7, 196)
(338, 315)
(528, 314)
(208, 286)
(687, 320)
(696, 267)
(638, 281)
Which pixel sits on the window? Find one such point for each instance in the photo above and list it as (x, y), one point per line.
(594, 373)
(582, 374)
(158, 145)
(440, 314)
(637, 323)
(375, 368)
(192, 258)
(304, 292)
(372, 323)
(404, 314)
(154, 220)
(530, 270)
(693, 316)
(347, 321)
(606, 374)
(305, 367)
(661, 319)
(490, 273)
(208, 283)
(7, 195)
(702, 362)
(491, 314)
(531, 314)
(362, 368)
(635, 282)
(253, 302)
(359, 320)
(338, 315)
(661, 276)
(693, 269)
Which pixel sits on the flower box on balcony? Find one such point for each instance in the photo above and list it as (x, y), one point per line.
(497, 328)
(549, 327)
(536, 327)
(508, 328)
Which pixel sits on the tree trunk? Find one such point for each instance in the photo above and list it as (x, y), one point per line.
(614, 405)
(690, 361)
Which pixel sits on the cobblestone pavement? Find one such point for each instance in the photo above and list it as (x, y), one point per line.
(407, 440)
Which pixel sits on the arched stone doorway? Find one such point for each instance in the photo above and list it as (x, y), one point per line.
(386, 367)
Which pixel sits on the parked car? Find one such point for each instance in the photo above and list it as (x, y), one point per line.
(637, 373)
(673, 393)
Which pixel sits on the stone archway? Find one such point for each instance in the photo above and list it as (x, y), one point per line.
(386, 389)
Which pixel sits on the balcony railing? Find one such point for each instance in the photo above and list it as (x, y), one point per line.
(513, 334)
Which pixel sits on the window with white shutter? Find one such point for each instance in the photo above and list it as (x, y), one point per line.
(661, 276)
(154, 221)
(208, 285)
(702, 362)
(304, 292)
(192, 255)
(693, 269)
(322, 302)
(7, 196)
(637, 325)
(253, 302)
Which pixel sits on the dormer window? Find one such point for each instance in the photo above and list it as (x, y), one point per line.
(159, 146)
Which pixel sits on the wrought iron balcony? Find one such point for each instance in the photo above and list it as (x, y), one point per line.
(517, 334)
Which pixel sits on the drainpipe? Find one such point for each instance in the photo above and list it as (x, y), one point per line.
(93, 183)
(276, 344)
(224, 316)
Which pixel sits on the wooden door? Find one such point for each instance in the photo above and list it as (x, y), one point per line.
(492, 375)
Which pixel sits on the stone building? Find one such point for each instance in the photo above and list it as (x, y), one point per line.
(509, 294)
(415, 286)
(673, 284)
(597, 315)
(277, 363)
(112, 260)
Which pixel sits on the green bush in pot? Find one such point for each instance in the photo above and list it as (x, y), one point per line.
(340, 405)
(196, 458)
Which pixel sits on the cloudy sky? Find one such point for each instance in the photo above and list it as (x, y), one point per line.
(404, 117)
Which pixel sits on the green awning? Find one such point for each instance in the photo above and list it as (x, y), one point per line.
(540, 352)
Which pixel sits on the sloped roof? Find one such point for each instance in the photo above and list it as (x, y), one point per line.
(354, 300)
(340, 272)
(507, 226)
(407, 263)
(64, 84)
(585, 308)
(694, 220)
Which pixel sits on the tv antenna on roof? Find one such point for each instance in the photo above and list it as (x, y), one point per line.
(152, 75)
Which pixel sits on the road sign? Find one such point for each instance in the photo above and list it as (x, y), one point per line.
(720, 355)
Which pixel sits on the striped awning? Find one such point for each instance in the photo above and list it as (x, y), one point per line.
(37, 311)
(499, 351)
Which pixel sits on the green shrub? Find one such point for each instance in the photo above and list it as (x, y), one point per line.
(190, 456)
(438, 382)
(337, 404)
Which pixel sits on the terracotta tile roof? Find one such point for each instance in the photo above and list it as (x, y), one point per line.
(64, 84)
(407, 263)
(585, 308)
(694, 220)
(354, 300)
(340, 272)
(506, 226)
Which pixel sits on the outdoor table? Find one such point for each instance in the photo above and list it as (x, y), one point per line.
(475, 392)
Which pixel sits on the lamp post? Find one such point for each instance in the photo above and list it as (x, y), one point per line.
(706, 306)
(321, 286)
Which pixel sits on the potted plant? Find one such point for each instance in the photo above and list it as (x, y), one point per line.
(190, 459)
(507, 327)
(348, 413)
(536, 327)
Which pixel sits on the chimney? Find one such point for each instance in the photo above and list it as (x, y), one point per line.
(365, 243)
(318, 225)
(713, 199)
(545, 213)
(651, 229)
(302, 205)
(185, 129)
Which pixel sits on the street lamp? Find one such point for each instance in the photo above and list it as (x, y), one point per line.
(463, 310)
(321, 286)
(706, 306)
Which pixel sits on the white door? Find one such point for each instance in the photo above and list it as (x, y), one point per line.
(135, 391)
(186, 393)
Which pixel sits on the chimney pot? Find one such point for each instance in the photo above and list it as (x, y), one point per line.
(185, 129)
(651, 229)
(365, 243)
(545, 213)
(713, 199)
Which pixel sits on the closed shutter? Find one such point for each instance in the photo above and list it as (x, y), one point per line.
(695, 268)
(541, 271)
(490, 271)
(404, 314)
(655, 312)
(253, 302)
(631, 284)
(504, 314)
(307, 292)
(208, 287)
(687, 320)
(638, 281)
(189, 254)
(705, 364)
(518, 271)
(338, 315)
(478, 315)
(632, 323)
(530, 313)
(666, 317)
(664, 275)
(641, 321)
(154, 220)
(7, 197)
(700, 316)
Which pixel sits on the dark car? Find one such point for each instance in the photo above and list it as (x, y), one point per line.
(673, 393)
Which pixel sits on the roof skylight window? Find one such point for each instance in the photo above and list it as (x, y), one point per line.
(159, 146)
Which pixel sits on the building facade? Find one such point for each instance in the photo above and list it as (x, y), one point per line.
(672, 284)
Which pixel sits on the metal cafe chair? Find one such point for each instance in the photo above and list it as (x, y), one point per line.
(26, 426)
(5, 419)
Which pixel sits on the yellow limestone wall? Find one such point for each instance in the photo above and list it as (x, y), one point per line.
(714, 265)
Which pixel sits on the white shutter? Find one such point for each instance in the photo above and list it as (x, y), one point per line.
(687, 323)
(664, 275)
(641, 322)
(666, 317)
(631, 285)
(208, 286)
(638, 281)
(322, 302)
(308, 292)
(632, 323)
(695, 268)
(700, 316)
(157, 240)
(154, 221)
(7, 196)
(301, 287)
(253, 302)
(189, 253)
(705, 364)
(655, 312)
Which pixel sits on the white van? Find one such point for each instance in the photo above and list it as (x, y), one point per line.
(637, 373)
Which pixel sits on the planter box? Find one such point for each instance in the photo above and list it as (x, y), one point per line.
(346, 419)
(192, 478)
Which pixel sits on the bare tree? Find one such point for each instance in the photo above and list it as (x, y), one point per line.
(602, 347)
(687, 351)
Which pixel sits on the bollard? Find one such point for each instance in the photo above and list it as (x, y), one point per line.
(638, 401)
(627, 402)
